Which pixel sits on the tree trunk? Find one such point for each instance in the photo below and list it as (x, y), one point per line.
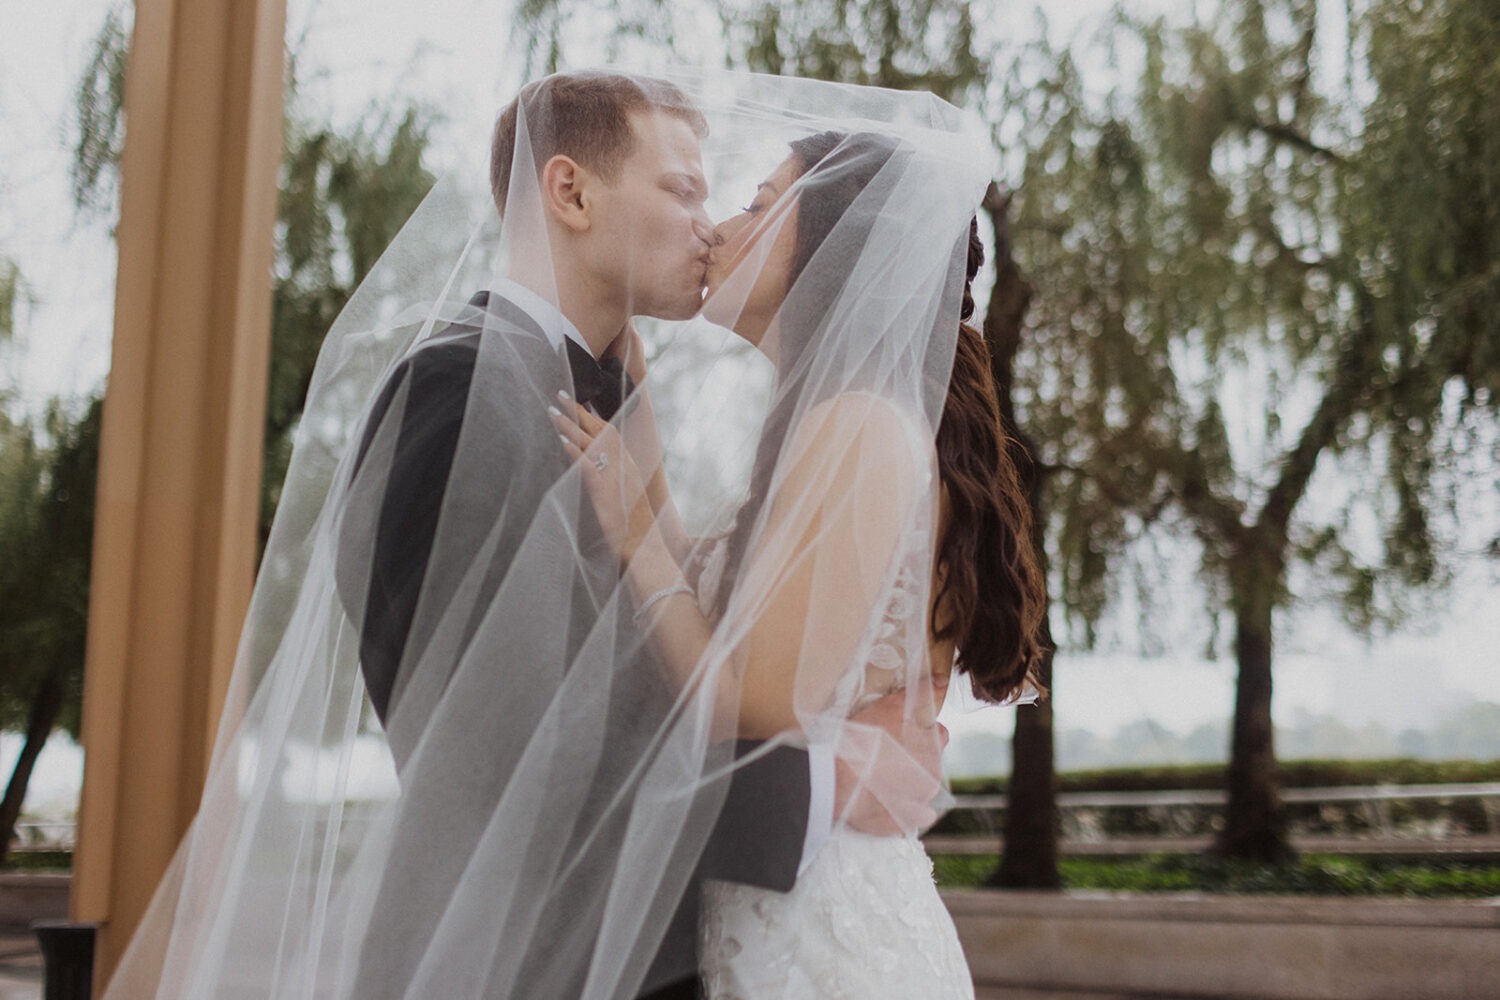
(44, 711)
(1254, 820)
(1028, 859)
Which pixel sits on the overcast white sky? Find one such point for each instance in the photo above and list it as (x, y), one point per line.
(452, 53)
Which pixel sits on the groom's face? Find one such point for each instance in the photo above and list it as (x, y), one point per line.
(654, 234)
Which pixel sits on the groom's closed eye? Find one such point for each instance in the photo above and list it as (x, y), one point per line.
(686, 187)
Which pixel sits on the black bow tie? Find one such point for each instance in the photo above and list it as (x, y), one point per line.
(600, 384)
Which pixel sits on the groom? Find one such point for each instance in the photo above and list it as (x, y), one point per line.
(621, 230)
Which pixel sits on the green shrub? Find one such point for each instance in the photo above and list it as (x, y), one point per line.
(38, 861)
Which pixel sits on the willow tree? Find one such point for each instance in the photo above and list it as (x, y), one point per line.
(926, 45)
(1245, 281)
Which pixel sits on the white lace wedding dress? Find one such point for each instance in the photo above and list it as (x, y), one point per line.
(863, 922)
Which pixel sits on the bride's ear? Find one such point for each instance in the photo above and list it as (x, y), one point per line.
(565, 194)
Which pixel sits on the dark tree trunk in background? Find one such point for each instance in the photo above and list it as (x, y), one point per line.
(1254, 820)
(1028, 859)
(44, 712)
(1029, 856)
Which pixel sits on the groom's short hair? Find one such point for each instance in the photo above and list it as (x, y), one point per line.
(585, 116)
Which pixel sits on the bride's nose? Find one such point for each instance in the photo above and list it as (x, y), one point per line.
(705, 230)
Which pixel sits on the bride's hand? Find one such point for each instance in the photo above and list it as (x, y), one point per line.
(888, 768)
(609, 473)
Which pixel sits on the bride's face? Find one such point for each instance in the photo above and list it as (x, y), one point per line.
(749, 269)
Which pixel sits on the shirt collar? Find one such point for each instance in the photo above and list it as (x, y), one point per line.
(554, 324)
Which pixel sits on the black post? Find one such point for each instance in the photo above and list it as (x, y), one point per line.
(68, 954)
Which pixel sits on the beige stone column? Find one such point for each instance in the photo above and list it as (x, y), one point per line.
(179, 472)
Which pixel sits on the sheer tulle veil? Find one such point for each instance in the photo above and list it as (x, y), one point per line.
(516, 801)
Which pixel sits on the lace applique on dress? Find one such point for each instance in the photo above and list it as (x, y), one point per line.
(899, 646)
(863, 922)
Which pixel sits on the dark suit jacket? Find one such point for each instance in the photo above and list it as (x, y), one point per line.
(759, 832)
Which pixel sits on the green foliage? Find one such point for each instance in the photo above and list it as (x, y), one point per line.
(543, 28)
(10, 293)
(37, 861)
(1314, 875)
(47, 477)
(1219, 221)
(963, 871)
(921, 45)
(343, 198)
(1423, 212)
(99, 105)
(1175, 229)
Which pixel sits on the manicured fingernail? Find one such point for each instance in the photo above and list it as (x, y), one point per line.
(554, 411)
(563, 394)
(563, 439)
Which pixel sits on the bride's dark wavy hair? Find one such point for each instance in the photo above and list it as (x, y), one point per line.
(992, 594)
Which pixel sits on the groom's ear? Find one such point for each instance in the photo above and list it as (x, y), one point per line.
(565, 192)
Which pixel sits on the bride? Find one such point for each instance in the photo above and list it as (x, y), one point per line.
(851, 519)
(507, 753)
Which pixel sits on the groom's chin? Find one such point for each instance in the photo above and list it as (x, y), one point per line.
(688, 308)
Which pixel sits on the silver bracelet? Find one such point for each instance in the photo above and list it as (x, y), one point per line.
(661, 595)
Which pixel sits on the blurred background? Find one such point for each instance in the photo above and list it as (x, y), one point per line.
(1243, 290)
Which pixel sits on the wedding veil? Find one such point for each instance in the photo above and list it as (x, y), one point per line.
(455, 762)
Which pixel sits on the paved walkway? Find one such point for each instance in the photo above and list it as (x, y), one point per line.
(21, 976)
(20, 966)
(999, 993)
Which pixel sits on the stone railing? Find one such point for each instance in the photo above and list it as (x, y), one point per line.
(1419, 818)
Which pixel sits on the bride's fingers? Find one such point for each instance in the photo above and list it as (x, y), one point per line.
(574, 419)
(590, 422)
(573, 451)
(568, 429)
